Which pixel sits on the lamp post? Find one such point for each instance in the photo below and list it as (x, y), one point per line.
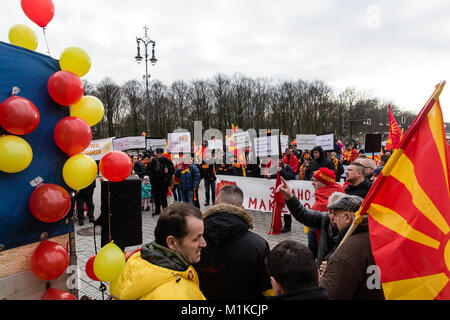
(146, 41)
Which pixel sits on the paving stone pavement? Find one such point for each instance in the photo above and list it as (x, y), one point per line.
(85, 245)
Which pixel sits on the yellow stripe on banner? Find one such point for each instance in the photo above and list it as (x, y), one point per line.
(404, 172)
(393, 221)
(421, 288)
(435, 121)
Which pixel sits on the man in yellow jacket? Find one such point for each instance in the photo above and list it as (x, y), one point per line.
(162, 270)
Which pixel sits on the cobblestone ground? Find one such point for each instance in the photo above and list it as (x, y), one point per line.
(85, 246)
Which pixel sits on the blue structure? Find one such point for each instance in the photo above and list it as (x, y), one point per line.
(30, 71)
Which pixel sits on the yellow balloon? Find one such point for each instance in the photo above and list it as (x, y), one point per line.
(75, 60)
(79, 171)
(89, 108)
(15, 154)
(23, 36)
(109, 263)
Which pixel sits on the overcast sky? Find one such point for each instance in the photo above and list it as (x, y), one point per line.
(396, 50)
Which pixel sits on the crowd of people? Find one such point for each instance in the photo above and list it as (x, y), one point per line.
(215, 255)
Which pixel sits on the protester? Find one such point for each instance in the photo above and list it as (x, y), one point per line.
(346, 276)
(85, 196)
(304, 168)
(329, 237)
(163, 270)
(189, 179)
(160, 171)
(357, 183)
(291, 160)
(176, 191)
(208, 174)
(146, 196)
(368, 164)
(338, 167)
(349, 155)
(138, 167)
(324, 185)
(376, 173)
(232, 264)
(383, 160)
(319, 161)
(293, 273)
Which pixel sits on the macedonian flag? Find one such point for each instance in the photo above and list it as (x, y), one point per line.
(409, 211)
(394, 135)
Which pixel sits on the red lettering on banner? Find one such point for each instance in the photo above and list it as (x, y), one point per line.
(272, 192)
(307, 195)
(252, 202)
(271, 203)
(307, 206)
(262, 205)
(300, 194)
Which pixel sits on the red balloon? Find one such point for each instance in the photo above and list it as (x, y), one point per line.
(72, 135)
(56, 294)
(49, 260)
(115, 166)
(49, 202)
(90, 269)
(40, 12)
(18, 115)
(65, 88)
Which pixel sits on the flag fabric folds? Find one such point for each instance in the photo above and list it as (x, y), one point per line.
(394, 135)
(409, 211)
(275, 227)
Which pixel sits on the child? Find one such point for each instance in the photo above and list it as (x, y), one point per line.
(146, 193)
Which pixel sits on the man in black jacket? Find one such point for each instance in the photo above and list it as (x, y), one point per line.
(232, 264)
(293, 273)
(359, 184)
(160, 170)
(329, 237)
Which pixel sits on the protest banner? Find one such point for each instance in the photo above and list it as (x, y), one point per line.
(284, 141)
(266, 146)
(156, 143)
(179, 142)
(98, 148)
(306, 141)
(259, 193)
(326, 141)
(128, 143)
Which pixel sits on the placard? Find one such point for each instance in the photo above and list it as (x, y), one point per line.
(156, 143)
(306, 141)
(128, 143)
(179, 142)
(326, 141)
(266, 146)
(284, 141)
(215, 144)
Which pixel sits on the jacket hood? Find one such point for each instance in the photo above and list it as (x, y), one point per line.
(229, 208)
(163, 257)
(320, 149)
(225, 224)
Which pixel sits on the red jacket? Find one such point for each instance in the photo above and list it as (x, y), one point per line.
(293, 162)
(322, 195)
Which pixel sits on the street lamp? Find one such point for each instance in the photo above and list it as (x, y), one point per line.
(146, 41)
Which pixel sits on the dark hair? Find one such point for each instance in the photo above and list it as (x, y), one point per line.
(172, 221)
(231, 194)
(292, 265)
(385, 158)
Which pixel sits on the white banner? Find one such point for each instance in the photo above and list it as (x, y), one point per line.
(284, 141)
(179, 142)
(326, 141)
(128, 143)
(266, 146)
(215, 144)
(98, 148)
(156, 143)
(306, 141)
(259, 192)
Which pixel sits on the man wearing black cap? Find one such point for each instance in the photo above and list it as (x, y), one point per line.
(160, 170)
(346, 275)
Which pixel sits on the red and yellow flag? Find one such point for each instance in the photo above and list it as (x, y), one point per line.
(395, 135)
(409, 211)
(275, 226)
